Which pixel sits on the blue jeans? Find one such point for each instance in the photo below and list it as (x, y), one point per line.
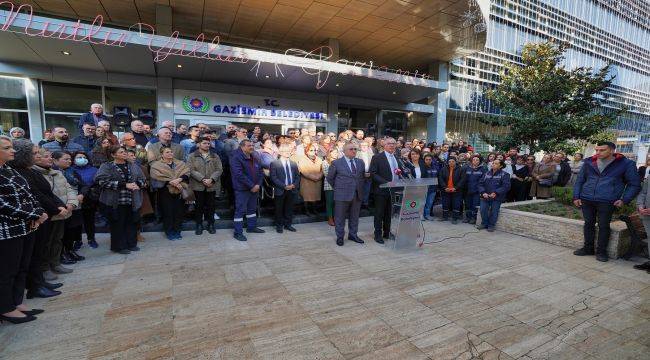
(472, 202)
(431, 197)
(245, 205)
(489, 212)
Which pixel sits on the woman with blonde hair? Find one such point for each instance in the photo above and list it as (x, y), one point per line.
(311, 177)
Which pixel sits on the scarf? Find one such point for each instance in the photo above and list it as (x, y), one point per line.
(164, 173)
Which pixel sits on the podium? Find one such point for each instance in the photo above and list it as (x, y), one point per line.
(408, 197)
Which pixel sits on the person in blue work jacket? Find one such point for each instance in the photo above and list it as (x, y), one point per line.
(474, 172)
(431, 169)
(247, 177)
(493, 187)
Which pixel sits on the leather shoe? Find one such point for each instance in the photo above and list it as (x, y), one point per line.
(279, 230)
(33, 312)
(602, 257)
(42, 292)
(76, 257)
(378, 239)
(58, 269)
(17, 320)
(355, 239)
(66, 260)
(644, 266)
(199, 229)
(240, 237)
(290, 228)
(255, 230)
(52, 286)
(211, 229)
(124, 251)
(583, 252)
(135, 248)
(339, 241)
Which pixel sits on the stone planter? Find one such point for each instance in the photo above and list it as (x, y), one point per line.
(557, 230)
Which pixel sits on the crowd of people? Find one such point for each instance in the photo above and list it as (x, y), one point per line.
(54, 191)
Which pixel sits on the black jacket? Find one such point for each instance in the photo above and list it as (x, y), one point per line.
(380, 172)
(42, 191)
(411, 167)
(277, 173)
(565, 173)
(459, 178)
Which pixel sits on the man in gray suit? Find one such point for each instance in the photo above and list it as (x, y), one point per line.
(347, 175)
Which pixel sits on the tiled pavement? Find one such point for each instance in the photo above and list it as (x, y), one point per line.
(299, 296)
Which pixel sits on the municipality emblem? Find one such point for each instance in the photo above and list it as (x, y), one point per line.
(196, 104)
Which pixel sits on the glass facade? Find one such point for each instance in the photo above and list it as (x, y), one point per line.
(598, 32)
(13, 105)
(64, 103)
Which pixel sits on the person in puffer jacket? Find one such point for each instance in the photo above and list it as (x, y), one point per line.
(474, 172)
(493, 188)
(606, 181)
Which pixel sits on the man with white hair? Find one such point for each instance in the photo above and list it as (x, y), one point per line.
(94, 116)
(164, 140)
(137, 128)
(108, 132)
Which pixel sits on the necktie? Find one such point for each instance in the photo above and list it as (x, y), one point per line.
(287, 174)
(354, 168)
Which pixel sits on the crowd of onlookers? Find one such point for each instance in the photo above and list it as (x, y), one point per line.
(55, 191)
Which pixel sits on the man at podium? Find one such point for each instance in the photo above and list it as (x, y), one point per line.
(384, 167)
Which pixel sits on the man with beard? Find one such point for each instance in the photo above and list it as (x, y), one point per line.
(61, 142)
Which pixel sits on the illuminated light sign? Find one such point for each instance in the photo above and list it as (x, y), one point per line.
(247, 106)
(317, 62)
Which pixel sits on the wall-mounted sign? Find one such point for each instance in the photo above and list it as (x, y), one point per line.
(247, 106)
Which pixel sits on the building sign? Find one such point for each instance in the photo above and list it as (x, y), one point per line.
(247, 106)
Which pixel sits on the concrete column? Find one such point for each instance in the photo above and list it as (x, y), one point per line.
(336, 48)
(163, 20)
(165, 100)
(36, 120)
(332, 113)
(437, 122)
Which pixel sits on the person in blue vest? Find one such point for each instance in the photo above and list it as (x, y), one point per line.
(247, 177)
(493, 187)
(606, 181)
(474, 172)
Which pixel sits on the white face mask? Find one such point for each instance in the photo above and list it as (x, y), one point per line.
(81, 161)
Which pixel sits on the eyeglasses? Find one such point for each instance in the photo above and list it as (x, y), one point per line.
(354, 149)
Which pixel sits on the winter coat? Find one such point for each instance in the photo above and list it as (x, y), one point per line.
(61, 188)
(205, 168)
(618, 181)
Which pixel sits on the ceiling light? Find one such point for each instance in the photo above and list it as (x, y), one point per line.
(266, 76)
(337, 84)
(394, 92)
(179, 66)
(65, 53)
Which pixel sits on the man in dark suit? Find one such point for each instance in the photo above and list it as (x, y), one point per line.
(346, 175)
(383, 167)
(285, 179)
(93, 117)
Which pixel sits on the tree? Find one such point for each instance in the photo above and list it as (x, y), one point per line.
(544, 105)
